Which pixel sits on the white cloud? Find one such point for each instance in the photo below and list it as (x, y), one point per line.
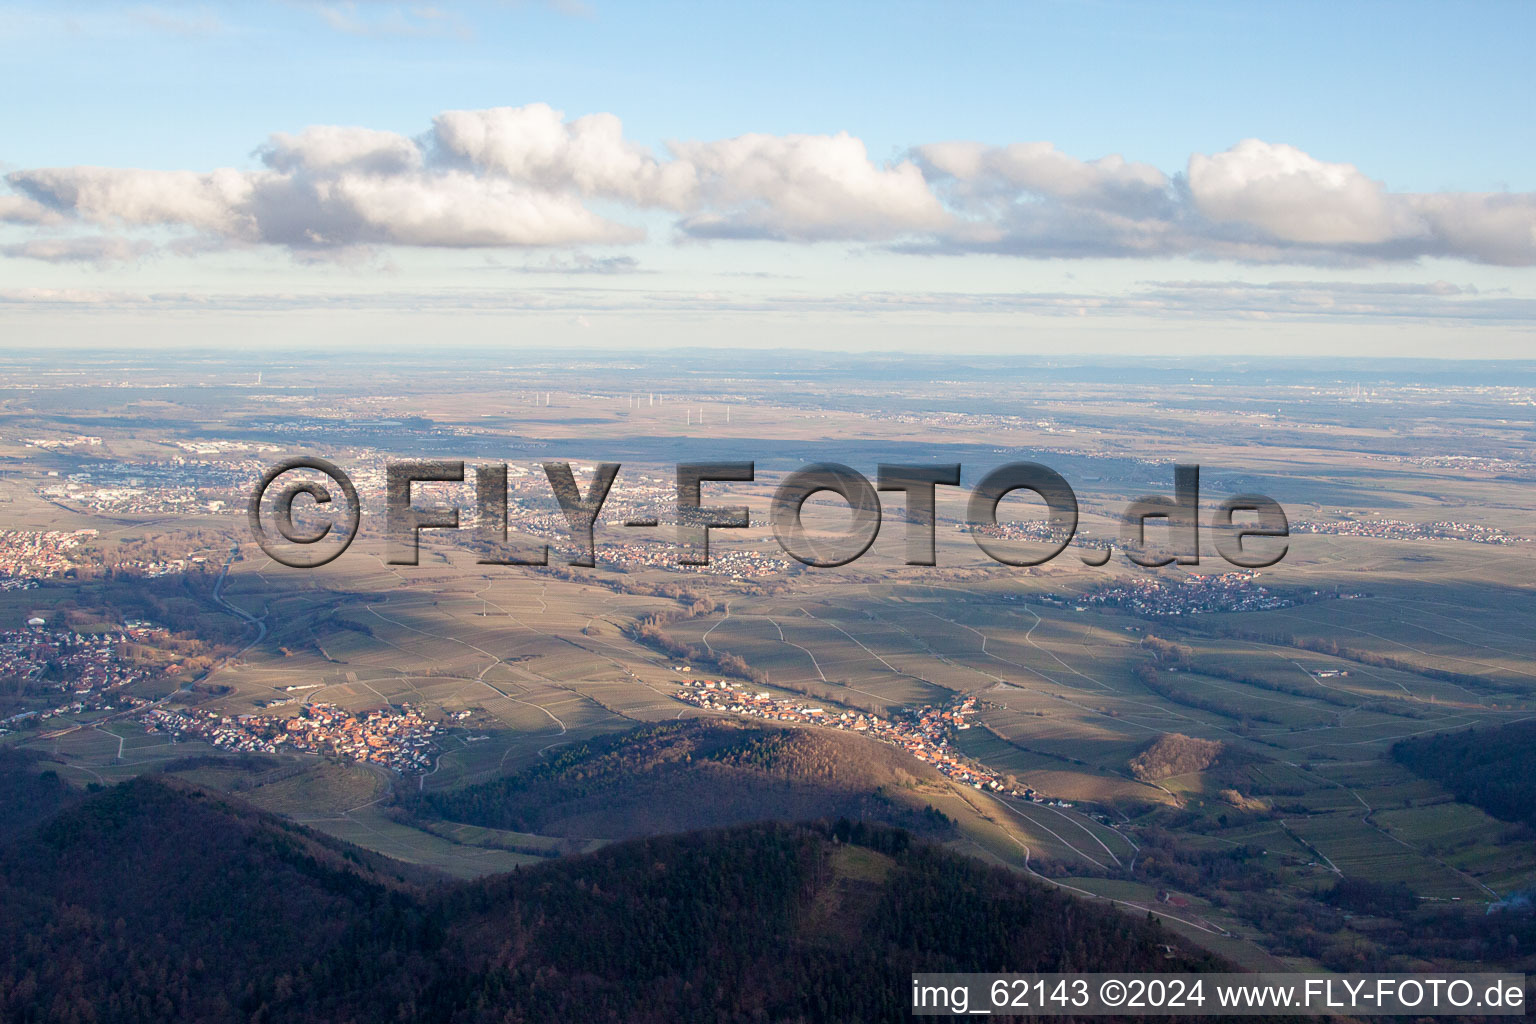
(1497, 228)
(535, 145)
(458, 210)
(1192, 301)
(209, 202)
(334, 148)
(528, 177)
(1257, 202)
(1293, 197)
(36, 297)
(581, 263)
(805, 187)
(981, 171)
(99, 249)
(332, 188)
(19, 209)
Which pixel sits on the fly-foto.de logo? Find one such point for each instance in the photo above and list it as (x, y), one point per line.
(1249, 530)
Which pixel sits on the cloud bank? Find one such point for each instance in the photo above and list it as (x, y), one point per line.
(527, 177)
(1299, 301)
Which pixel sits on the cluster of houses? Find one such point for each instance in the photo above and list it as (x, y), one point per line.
(735, 564)
(159, 566)
(153, 487)
(54, 444)
(532, 512)
(28, 556)
(1464, 463)
(224, 447)
(924, 733)
(218, 477)
(1039, 530)
(111, 700)
(79, 663)
(1397, 529)
(399, 738)
(89, 667)
(1186, 595)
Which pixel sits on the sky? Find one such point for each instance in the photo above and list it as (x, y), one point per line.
(1308, 179)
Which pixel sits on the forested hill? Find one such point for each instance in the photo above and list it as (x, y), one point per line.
(28, 796)
(697, 773)
(1494, 768)
(155, 901)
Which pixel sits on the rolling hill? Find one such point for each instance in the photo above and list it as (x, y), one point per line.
(696, 773)
(158, 901)
(1493, 768)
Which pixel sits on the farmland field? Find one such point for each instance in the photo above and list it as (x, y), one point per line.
(1302, 675)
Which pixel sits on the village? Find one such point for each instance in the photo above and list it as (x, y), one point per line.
(70, 662)
(637, 498)
(89, 667)
(1191, 595)
(1397, 529)
(399, 738)
(1037, 530)
(152, 487)
(922, 732)
(735, 564)
(29, 556)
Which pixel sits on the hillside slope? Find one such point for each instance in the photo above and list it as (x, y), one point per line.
(1493, 768)
(698, 773)
(153, 894)
(155, 901)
